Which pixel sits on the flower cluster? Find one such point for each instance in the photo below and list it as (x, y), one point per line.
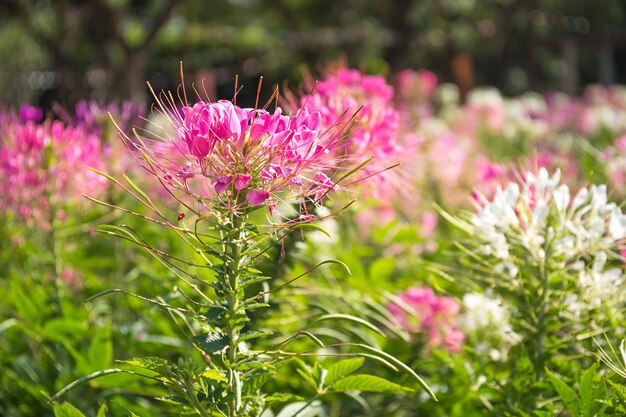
(95, 117)
(45, 165)
(419, 311)
(225, 154)
(541, 216)
(374, 133)
(486, 321)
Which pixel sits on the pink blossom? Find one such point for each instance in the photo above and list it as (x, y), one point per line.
(207, 123)
(242, 181)
(221, 183)
(430, 315)
(45, 166)
(324, 185)
(375, 125)
(30, 113)
(265, 152)
(429, 224)
(257, 197)
(416, 85)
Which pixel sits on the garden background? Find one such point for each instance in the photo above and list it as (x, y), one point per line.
(308, 208)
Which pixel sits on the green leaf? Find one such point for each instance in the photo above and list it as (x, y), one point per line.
(343, 368)
(586, 392)
(567, 394)
(398, 363)
(100, 353)
(66, 410)
(212, 342)
(253, 335)
(151, 363)
(102, 412)
(313, 226)
(89, 377)
(381, 269)
(55, 329)
(282, 398)
(369, 383)
(173, 399)
(348, 317)
(214, 375)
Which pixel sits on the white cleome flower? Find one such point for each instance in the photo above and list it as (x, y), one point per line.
(541, 215)
(487, 319)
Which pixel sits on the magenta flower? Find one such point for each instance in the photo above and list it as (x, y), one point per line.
(242, 181)
(230, 156)
(377, 121)
(257, 197)
(30, 113)
(44, 166)
(420, 311)
(375, 125)
(204, 124)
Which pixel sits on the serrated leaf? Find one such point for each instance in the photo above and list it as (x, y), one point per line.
(214, 375)
(151, 363)
(212, 342)
(342, 369)
(567, 394)
(586, 392)
(369, 383)
(253, 335)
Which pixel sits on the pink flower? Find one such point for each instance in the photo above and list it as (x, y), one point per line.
(430, 315)
(46, 165)
(324, 185)
(242, 181)
(272, 155)
(184, 172)
(30, 113)
(257, 197)
(429, 224)
(416, 85)
(207, 123)
(221, 183)
(376, 123)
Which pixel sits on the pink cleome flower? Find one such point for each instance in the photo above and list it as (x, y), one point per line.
(45, 165)
(419, 310)
(232, 156)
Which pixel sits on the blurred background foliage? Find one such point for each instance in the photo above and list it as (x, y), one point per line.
(68, 50)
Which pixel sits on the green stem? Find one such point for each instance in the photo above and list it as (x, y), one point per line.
(233, 261)
(540, 335)
(55, 247)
